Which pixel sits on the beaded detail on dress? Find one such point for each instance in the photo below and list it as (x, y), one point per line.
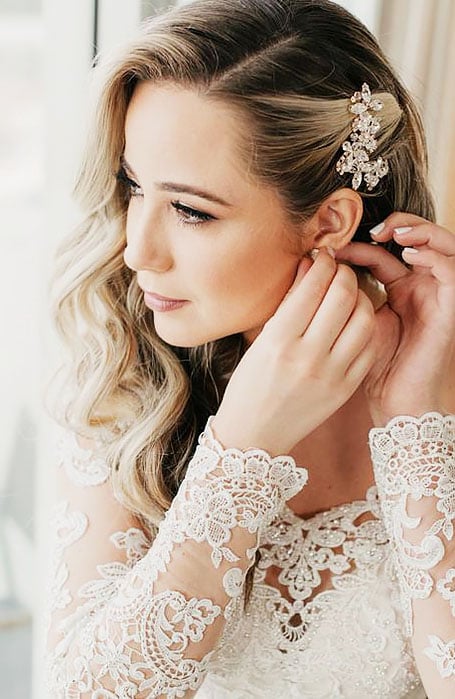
(334, 628)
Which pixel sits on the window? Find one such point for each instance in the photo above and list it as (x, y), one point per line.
(21, 207)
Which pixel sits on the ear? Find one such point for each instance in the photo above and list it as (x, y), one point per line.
(336, 220)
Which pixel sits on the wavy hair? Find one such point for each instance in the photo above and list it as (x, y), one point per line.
(289, 67)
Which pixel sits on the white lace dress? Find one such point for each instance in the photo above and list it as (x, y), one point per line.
(334, 600)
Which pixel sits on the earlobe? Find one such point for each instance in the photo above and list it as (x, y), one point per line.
(337, 219)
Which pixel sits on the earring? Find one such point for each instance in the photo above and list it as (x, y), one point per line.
(315, 251)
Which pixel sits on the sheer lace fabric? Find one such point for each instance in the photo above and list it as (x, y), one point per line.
(164, 617)
(414, 462)
(141, 632)
(344, 641)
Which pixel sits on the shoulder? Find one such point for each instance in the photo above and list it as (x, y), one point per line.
(82, 459)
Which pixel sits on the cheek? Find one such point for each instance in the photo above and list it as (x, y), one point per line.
(271, 286)
(251, 285)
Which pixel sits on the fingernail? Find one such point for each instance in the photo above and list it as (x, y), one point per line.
(377, 229)
(314, 253)
(331, 252)
(403, 229)
(412, 251)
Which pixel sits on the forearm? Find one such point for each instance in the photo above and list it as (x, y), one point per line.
(156, 634)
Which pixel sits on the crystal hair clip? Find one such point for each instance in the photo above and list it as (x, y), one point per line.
(362, 142)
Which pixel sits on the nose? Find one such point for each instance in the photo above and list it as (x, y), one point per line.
(147, 247)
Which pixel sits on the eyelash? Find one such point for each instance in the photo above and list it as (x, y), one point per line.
(187, 214)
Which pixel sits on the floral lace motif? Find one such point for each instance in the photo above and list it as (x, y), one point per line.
(413, 459)
(332, 541)
(142, 638)
(446, 588)
(83, 467)
(67, 528)
(443, 654)
(99, 592)
(340, 632)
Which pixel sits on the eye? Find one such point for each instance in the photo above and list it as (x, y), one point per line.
(191, 216)
(133, 189)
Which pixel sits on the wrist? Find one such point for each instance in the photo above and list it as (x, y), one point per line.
(381, 415)
(231, 435)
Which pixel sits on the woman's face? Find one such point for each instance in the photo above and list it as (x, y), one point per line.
(199, 229)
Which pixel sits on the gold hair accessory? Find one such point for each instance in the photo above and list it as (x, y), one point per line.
(355, 158)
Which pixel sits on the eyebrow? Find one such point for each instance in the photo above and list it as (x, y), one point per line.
(179, 188)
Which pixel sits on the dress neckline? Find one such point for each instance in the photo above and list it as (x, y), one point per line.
(369, 499)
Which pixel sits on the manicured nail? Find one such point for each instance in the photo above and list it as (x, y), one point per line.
(411, 251)
(403, 229)
(377, 229)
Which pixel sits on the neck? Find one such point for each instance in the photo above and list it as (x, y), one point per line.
(338, 459)
(339, 435)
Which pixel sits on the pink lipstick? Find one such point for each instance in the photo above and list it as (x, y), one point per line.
(162, 303)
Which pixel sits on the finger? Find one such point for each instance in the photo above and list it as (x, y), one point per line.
(304, 266)
(297, 309)
(435, 237)
(440, 266)
(362, 364)
(357, 332)
(334, 310)
(383, 231)
(382, 264)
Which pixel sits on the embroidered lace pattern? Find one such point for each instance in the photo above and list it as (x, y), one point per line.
(443, 654)
(446, 588)
(334, 628)
(414, 463)
(66, 527)
(164, 617)
(139, 632)
(84, 468)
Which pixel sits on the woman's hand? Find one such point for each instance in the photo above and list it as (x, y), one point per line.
(309, 358)
(415, 329)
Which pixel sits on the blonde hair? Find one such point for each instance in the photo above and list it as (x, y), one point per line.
(289, 68)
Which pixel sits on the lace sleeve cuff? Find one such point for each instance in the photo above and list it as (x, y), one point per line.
(247, 486)
(153, 631)
(413, 461)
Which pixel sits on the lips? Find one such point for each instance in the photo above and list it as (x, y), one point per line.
(158, 297)
(159, 303)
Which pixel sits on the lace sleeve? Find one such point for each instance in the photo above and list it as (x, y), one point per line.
(148, 626)
(413, 460)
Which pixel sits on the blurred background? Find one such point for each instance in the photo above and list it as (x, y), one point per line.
(46, 53)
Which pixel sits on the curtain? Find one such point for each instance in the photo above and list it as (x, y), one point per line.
(418, 36)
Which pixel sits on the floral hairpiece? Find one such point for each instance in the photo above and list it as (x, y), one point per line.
(355, 158)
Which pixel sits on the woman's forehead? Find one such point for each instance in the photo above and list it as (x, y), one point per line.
(172, 131)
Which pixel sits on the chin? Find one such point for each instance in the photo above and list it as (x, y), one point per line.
(191, 334)
(184, 337)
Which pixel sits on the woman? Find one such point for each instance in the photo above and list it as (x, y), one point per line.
(259, 499)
